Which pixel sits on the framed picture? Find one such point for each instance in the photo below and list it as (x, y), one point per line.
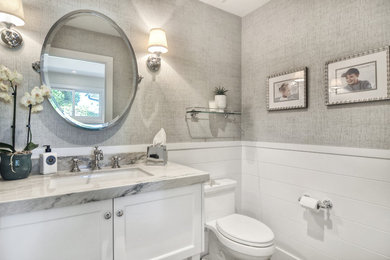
(287, 90)
(358, 78)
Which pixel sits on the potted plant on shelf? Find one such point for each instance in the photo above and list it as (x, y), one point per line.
(220, 97)
(17, 164)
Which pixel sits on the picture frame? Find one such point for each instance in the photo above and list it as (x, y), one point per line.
(287, 90)
(361, 77)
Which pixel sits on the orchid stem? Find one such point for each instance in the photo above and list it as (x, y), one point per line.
(29, 135)
(14, 93)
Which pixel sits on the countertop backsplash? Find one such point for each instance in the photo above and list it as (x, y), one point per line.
(64, 163)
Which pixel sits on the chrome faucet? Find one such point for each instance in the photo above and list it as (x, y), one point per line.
(98, 156)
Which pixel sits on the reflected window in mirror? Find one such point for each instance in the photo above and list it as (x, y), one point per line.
(82, 85)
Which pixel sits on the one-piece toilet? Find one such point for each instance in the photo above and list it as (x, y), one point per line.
(239, 237)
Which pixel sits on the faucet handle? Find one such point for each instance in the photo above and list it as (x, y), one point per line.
(75, 165)
(115, 161)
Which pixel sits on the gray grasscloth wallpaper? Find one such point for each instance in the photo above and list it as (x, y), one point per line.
(287, 34)
(204, 51)
(208, 47)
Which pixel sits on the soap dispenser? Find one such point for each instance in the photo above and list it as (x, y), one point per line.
(48, 161)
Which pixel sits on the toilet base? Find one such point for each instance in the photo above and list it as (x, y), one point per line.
(217, 251)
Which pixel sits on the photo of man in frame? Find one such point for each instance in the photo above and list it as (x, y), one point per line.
(357, 78)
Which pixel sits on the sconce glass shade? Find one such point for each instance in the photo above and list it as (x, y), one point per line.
(157, 41)
(11, 12)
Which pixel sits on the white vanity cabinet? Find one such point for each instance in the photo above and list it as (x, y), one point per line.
(74, 232)
(165, 224)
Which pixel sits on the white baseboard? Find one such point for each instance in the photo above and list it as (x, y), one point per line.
(282, 254)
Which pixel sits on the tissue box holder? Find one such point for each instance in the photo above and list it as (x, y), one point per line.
(157, 155)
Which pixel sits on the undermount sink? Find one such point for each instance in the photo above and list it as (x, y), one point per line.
(95, 177)
(117, 173)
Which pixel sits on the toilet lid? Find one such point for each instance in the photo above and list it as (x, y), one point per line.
(245, 230)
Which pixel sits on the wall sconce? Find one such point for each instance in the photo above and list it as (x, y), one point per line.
(157, 45)
(11, 14)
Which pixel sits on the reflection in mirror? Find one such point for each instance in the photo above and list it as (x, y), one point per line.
(79, 81)
(90, 65)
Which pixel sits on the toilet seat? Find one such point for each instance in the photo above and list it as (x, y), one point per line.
(245, 230)
(235, 242)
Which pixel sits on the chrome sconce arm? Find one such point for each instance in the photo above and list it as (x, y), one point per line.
(154, 62)
(36, 66)
(11, 37)
(11, 14)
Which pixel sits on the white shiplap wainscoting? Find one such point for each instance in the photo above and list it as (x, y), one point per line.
(357, 181)
(274, 175)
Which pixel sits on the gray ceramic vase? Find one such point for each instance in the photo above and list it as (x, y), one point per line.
(21, 166)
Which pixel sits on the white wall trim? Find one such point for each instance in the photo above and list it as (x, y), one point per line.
(336, 150)
(87, 150)
(346, 151)
(203, 145)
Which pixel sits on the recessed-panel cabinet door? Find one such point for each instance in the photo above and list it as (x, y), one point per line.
(159, 225)
(81, 232)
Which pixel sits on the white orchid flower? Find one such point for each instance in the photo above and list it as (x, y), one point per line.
(27, 100)
(8, 73)
(46, 91)
(36, 109)
(3, 69)
(17, 78)
(3, 87)
(11, 75)
(3, 75)
(36, 93)
(5, 97)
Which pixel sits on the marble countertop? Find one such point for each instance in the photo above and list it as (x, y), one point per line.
(64, 188)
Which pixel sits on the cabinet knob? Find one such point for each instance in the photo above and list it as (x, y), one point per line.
(119, 213)
(107, 215)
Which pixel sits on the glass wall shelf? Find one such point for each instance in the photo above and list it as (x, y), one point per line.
(194, 111)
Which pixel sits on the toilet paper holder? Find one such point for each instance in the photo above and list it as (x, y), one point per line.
(322, 204)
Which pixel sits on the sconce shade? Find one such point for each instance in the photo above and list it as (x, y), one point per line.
(11, 11)
(157, 41)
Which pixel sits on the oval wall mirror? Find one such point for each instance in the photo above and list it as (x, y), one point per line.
(90, 65)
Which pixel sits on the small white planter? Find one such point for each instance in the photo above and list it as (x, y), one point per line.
(213, 105)
(220, 101)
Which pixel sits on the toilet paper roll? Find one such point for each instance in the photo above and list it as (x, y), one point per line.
(309, 203)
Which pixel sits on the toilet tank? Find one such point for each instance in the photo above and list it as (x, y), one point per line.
(219, 198)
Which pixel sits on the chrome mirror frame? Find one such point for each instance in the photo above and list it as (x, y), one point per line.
(47, 44)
